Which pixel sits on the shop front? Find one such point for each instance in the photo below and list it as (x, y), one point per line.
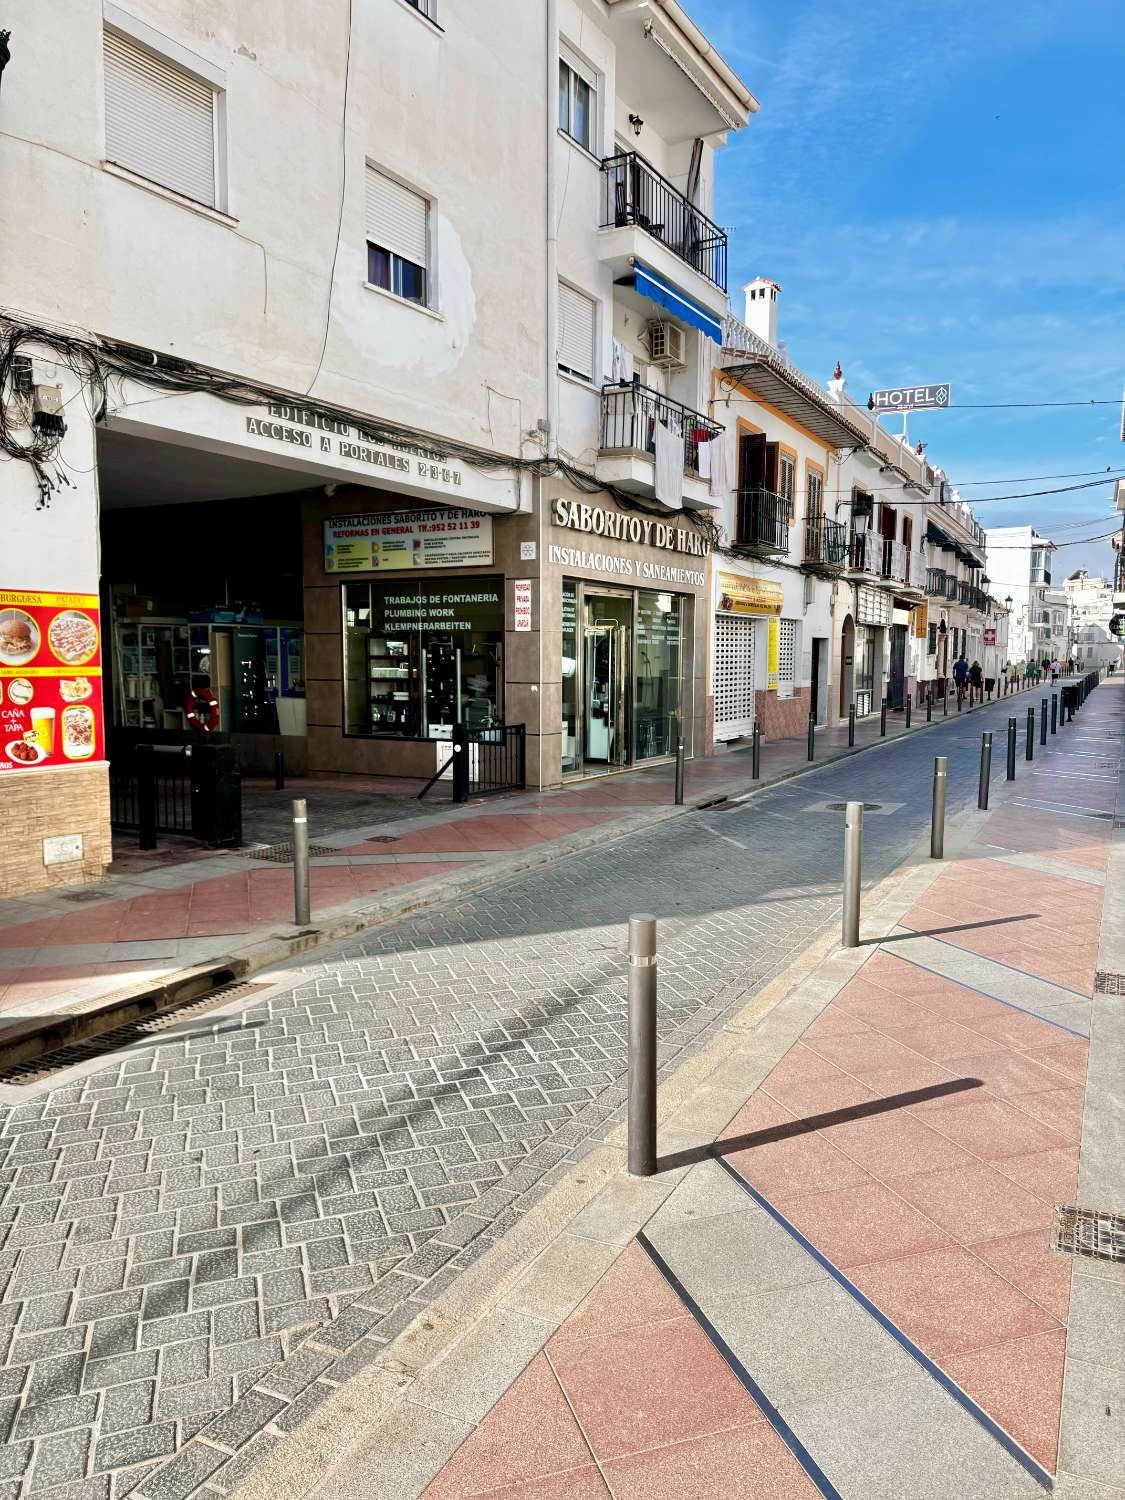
(746, 641)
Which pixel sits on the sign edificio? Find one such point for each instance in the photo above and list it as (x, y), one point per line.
(910, 398)
(406, 539)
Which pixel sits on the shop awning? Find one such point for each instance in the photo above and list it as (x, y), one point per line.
(650, 285)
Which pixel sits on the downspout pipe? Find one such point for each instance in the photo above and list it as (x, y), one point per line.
(550, 343)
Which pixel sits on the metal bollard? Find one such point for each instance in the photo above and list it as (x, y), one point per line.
(301, 909)
(853, 873)
(144, 761)
(883, 720)
(1043, 722)
(642, 1046)
(960, 700)
(929, 708)
(1029, 752)
(679, 770)
(945, 702)
(812, 737)
(937, 815)
(1054, 713)
(279, 770)
(756, 753)
(908, 710)
(1011, 750)
(985, 771)
(851, 724)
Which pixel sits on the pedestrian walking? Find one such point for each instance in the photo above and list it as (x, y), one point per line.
(1055, 670)
(976, 683)
(960, 676)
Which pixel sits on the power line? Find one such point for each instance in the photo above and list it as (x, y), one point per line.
(1035, 478)
(1024, 405)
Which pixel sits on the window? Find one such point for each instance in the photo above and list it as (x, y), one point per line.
(577, 320)
(161, 120)
(578, 98)
(398, 236)
(931, 640)
(419, 658)
(787, 480)
(427, 7)
(814, 485)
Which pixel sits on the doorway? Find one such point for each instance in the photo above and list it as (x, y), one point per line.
(847, 665)
(896, 687)
(607, 655)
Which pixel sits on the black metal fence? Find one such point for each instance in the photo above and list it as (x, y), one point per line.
(826, 542)
(761, 521)
(191, 790)
(488, 760)
(634, 193)
(630, 414)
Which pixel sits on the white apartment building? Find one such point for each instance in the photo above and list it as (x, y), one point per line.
(312, 340)
(1018, 561)
(1090, 611)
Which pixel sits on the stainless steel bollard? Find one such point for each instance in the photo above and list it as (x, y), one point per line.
(301, 907)
(937, 814)
(642, 1046)
(853, 873)
(679, 771)
(985, 771)
(1029, 752)
(1011, 776)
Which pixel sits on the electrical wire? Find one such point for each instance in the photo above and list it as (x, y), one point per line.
(340, 215)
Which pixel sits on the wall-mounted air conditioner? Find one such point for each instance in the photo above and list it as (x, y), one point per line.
(666, 343)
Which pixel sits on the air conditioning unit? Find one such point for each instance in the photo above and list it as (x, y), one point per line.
(666, 343)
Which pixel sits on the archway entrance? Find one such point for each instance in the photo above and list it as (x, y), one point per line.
(847, 665)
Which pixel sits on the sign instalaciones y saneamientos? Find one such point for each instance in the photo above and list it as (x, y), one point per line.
(910, 398)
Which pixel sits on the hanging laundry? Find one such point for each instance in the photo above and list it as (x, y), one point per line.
(669, 467)
(719, 485)
(621, 364)
(703, 460)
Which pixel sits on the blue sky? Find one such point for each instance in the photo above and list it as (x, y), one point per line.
(940, 191)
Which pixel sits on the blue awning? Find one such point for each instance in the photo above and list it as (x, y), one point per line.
(649, 284)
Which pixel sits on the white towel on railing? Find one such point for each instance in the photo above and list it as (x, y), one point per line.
(621, 365)
(703, 459)
(719, 482)
(669, 467)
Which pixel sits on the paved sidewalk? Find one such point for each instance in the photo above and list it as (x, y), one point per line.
(840, 1281)
(156, 916)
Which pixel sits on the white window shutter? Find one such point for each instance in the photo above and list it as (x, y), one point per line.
(576, 331)
(397, 218)
(159, 120)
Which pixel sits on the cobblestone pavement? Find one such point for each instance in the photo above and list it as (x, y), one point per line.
(202, 1239)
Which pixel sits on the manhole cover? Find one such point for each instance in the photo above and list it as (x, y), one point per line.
(1095, 1232)
(383, 838)
(282, 854)
(1109, 984)
(99, 895)
(843, 806)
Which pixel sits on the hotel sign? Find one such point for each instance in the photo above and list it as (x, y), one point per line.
(910, 398)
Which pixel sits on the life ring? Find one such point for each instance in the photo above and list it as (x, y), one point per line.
(202, 710)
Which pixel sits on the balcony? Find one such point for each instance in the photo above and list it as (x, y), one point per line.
(865, 553)
(627, 457)
(761, 523)
(826, 543)
(896, 561)
(935, 582)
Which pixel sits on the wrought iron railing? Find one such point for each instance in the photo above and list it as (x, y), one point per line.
(826, 542)
(193, 790)
(633, 193)
(630, 414)
(896, 563)
(761, 521)
(935, 582)
(865, 553)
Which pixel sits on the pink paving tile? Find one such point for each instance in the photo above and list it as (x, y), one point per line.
(870, 1052)
(835, 1022)
(810, 1097)
(991, 1127)
(876, 1006)
(29, 934)
(799, 1064)
(1027, 1261)
(761, 1116)
(647, 1387)
(1048, 1174)
(854, 1225)
(577, 1484)
(528, 1434)
(1010, 1074)
(949, 1302)
(751, 1461)
(1014, 1029)
(1068, 1055)
(1061, 1109)
(895, 1145)
(942, 1040)
(974, 1202)
(1020, 1387)
(799, 1164)
(631, 1292)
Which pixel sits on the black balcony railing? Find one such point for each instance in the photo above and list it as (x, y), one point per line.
(761, 521)
(630, 414)
(633, 193)
(865, 553)
(952, 586)
(935, 582)
(826, 542)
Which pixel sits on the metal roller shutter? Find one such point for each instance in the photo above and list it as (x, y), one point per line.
(734, 676)
(397, 218)
(576, 331)
(159, 120)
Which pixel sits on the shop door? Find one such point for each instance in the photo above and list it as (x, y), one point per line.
(607, 654)
(896, 686)
(864, 669)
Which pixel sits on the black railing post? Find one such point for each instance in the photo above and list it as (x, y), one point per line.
(1011, 750)
(460, 764)
(144, 760)
(1029, 751)
(1054, 713)
(851, 724)
(929, 707)
(279, 770)
(756, 752)
(908, 710)
(883, 719)
(812, 736)
(1043, 723)
(679, 770)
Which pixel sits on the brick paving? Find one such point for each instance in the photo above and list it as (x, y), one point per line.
(204, 1238)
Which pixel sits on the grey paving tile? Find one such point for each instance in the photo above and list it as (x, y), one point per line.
(732, 1255)
(1092, 1436)
(399, 1458)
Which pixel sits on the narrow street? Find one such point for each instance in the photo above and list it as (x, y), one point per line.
(208, 1234)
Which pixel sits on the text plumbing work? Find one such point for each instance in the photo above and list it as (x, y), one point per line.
(561, 894)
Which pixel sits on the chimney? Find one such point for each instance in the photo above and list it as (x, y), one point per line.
(761, 308)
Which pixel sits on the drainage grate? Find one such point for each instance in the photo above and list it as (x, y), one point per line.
(1095, 1232)
(282, 854)
(1109, 984)
(843, 806)
(52, 1063)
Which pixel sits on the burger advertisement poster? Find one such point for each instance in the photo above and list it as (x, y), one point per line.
(50, 680)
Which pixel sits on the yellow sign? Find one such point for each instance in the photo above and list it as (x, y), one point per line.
(921, 620)
(748, 596)
(773, 654)
(53, 601)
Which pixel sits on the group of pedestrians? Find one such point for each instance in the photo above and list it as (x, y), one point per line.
(969, 677)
